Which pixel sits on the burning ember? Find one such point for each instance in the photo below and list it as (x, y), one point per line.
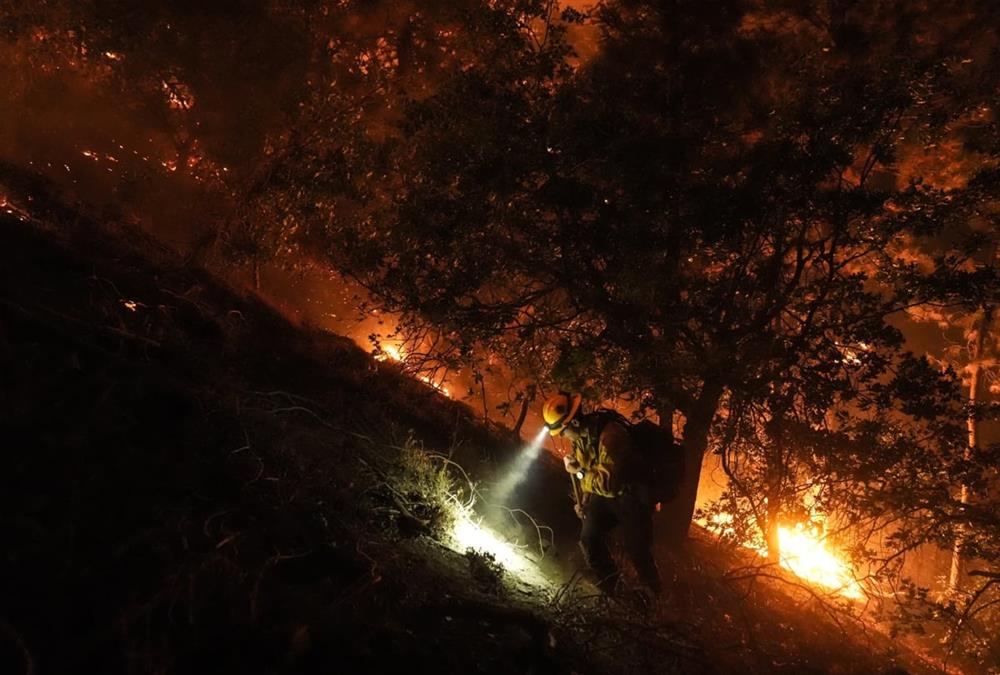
(178, 94)
(8, 207)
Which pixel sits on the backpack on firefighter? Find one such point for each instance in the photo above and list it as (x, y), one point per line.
(661, 460)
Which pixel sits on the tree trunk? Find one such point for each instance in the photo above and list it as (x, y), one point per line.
(680, 510)
(975, 372)
(256, 275)
(665, 410)
(526, 401)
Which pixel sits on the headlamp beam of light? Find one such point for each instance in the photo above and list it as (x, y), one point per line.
(518, 469)
(469, 531)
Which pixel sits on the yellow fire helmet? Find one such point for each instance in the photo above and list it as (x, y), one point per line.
(559, 409)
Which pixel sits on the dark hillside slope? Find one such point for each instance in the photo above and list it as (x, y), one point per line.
(190, 484)
(165, 470)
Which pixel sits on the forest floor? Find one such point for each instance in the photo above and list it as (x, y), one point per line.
(192, 484)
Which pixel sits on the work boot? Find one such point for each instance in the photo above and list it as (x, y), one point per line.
(649, 576)
(601, 565)
(639, 600)
(651, 584)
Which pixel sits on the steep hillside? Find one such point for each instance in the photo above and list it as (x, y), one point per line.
(192, 484)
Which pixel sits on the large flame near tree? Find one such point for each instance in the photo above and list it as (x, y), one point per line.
(804, 551)
(806, 554)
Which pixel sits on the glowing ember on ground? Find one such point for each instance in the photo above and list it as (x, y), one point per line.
(10, 208)
(179, 95)
(437, 385)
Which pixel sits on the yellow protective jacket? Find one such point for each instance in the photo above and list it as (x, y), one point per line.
(608, 461)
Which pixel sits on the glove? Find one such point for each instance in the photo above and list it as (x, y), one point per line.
(572, 466)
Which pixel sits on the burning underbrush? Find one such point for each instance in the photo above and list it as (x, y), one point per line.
(805, 551)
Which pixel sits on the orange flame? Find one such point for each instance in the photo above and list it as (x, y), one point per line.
(394, 353)
(806, 554)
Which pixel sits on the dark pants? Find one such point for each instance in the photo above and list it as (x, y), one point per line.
(600, 515)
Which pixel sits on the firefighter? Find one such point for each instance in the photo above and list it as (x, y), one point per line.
(608, 467)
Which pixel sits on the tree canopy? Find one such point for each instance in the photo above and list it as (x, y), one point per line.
(717, 208)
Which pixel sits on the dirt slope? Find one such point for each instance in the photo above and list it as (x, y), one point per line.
(190, 484)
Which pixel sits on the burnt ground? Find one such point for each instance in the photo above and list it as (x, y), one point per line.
(191, 484)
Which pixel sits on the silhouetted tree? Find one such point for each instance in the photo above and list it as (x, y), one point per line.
(700, 210)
